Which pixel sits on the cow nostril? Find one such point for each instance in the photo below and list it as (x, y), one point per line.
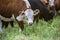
(30, 24)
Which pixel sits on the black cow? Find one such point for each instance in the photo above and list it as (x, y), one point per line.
(44, 12)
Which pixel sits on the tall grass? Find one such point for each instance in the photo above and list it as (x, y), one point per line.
(40, 31)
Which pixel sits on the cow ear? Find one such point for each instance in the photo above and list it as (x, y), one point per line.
(36, 11)
(21, 12)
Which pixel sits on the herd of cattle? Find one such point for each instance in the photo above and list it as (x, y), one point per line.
(27, 10)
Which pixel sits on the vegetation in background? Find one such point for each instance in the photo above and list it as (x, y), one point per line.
(40, 31)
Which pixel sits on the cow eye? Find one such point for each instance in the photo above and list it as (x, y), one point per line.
(23, 14)
(26, 18)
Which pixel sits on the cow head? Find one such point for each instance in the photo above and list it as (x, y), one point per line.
(51, 3)
(27, 14)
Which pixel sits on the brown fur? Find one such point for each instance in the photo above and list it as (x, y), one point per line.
(9, 7)
(57, 5)
(45, 2)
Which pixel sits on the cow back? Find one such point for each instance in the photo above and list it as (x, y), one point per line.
(8, 7)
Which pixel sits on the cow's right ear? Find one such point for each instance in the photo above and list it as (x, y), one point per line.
(22, 12)
(36, 12)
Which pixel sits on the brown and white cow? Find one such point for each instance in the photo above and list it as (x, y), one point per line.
(19, 8)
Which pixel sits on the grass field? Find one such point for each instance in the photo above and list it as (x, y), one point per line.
(40, 31)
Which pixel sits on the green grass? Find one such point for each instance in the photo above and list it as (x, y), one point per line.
(40, 31)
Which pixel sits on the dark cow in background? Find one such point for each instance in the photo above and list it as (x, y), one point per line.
(44, 12)
(19, 8)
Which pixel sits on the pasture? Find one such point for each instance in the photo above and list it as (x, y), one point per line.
(40, 31)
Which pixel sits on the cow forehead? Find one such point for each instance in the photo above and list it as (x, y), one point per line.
(29, 12)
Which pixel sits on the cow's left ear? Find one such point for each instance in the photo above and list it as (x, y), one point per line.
(36, 12)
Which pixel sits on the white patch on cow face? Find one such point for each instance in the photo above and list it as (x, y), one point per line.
(51, 3)
(29, 16)
(20, 17)
(0, 26)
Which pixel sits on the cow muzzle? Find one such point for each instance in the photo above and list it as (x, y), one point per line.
(30, 23)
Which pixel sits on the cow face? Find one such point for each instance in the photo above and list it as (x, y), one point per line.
(51, 3)
(29, 14)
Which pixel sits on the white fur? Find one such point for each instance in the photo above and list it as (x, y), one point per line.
(20, 17)
(6, 19)
(0, 26)
(27, 3)
(29, 15)
(51, 2)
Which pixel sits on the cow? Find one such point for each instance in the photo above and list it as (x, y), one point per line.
(45, 2)
(4, 23)
(55, 6)
(44, 11)
(21, 9)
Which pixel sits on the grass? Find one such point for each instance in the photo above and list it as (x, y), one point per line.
(40, 31)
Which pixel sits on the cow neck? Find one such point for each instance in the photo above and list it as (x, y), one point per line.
(28, 6)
